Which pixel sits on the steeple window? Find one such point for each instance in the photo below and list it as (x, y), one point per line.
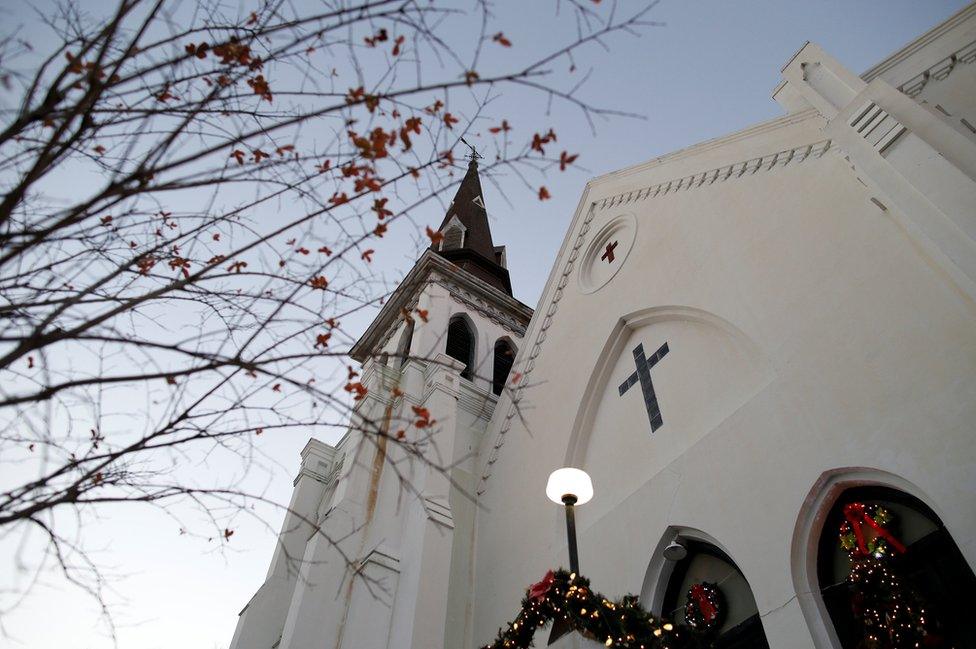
(460, 344)
(504, 357)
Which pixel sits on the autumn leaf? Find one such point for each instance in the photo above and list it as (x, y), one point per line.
(99, 149)
(368, 255)
(422, 314)
(238, 155)
(501, 40)
(470, 77)
(396, 45)
(322, 340)
(380, 37)
(319, 282)
(544, 194)
(106, 220)
(237, 266)
(259, 155)
(282, 150)
(327, 251)
(396, 392)
(339, 199)
(380, 229)
(450, 120)
(356, 388)
(435, 237)
(30, 362)
(260, 87)
(565, 160)
(228, 533)
(379, 206)
(165, 95)
(504, 128)
(276, 387)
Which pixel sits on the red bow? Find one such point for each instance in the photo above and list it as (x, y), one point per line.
(856, 514)
(708, 610)
(539, 590)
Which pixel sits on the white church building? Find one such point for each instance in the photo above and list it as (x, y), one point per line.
(735, 341)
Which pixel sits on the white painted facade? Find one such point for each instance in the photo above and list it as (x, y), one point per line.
(814, 277)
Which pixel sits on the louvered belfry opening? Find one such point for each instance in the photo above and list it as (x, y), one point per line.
(460, 345)
(504, 357)
(453, 238)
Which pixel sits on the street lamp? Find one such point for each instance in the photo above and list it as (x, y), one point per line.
(570, 487)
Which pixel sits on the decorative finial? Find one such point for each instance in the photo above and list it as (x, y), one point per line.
(473, 156)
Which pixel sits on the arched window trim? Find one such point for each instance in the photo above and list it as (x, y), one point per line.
(453, 224)
(661, 573)
(806, 539)
(468, 371)
(498, 382)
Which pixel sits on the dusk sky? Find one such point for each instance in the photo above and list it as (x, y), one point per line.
(708, 71)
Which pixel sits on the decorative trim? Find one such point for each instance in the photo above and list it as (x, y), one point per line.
(439, 511)
(728, 172)
(411, 286)
(480, 305)
(914, 86)
(381, 556)
(921, 42)
(875, 125)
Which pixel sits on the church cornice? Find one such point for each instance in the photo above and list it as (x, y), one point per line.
(721, 174)
(464, 287)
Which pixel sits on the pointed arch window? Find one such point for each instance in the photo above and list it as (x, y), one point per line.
(738, 623)
(504, 357)
(460, 344)
(931, 571)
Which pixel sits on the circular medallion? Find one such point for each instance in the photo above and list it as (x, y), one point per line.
(607, 252)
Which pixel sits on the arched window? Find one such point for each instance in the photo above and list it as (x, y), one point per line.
(922, 566)
(460, 344)
(504, 357)
(706, 582)
(403, 346)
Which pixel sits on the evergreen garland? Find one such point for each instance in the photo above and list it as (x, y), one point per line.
(567, 596)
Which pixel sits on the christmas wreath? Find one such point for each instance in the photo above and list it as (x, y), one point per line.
(567, 596)
(705, 608)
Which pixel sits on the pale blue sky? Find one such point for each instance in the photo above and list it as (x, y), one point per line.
(708, 72)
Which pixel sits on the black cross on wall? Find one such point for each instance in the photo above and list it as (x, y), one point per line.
(643, 374)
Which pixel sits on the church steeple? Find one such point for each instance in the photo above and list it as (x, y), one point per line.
(467, 236)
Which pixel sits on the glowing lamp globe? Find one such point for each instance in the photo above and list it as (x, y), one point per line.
(569, 482)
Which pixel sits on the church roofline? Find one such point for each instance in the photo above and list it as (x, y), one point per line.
(903, 53)
(414, 281)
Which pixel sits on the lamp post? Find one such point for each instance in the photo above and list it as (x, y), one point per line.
(570, 487)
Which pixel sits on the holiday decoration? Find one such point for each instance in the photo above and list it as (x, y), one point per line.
(705, 608)
(566, 596)
(890, 614)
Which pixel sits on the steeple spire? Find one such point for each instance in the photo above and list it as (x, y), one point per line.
(467, 236)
